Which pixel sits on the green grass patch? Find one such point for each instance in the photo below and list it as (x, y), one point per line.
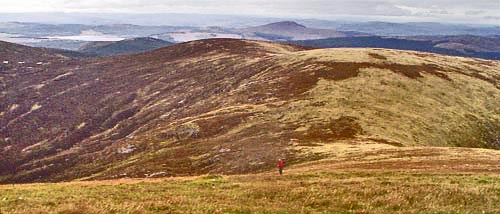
(295, 193)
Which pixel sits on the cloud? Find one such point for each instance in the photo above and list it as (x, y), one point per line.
(257, 7)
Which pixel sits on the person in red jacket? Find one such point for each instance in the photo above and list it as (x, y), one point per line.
(280, 166)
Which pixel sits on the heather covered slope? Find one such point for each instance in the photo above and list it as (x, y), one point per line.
(13, 56)
(235, 106)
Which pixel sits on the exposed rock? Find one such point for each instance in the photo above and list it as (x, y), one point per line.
(127, 150)
(156, 174)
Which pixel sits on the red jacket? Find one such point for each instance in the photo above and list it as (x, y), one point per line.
(281, 164)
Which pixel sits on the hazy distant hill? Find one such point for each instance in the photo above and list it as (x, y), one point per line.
(289, 30)
(37, 30)
(279, 31)
(468, 46)
(71, 45)
(231, 106)
(210, 32)
(72, 36)
(234, 21)
(464, 43)
(417, 29)
(128, 46)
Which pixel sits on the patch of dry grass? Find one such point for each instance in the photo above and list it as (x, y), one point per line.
(339, 185)
(447, 106)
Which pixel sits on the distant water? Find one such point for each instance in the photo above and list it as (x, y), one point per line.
(190, 36)
(104, 38)
(90, 36)
(16, 38)
(86, 36)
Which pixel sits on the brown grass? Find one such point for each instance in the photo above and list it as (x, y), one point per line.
(231, 106)
(377, 56)
(337, 129)
(405, 180)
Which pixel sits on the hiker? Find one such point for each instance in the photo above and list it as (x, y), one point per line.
(280, 166)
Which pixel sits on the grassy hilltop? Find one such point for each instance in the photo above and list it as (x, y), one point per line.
(198, 127)
(232, 106)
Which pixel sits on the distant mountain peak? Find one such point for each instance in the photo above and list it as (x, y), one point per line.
(285, 25)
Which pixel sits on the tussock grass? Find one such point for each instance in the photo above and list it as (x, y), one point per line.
(297, 193)
(327, 186)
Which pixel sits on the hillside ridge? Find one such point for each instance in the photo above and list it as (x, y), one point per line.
(235, 106)
(124, 47)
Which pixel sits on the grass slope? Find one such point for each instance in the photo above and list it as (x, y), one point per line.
(363, 178)
(235, 106)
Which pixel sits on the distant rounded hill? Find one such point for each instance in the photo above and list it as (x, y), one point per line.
(128, 46)
(233, 106)
(285, 25)
(289, 30)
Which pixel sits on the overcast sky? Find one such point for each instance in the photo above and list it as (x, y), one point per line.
(468, 11)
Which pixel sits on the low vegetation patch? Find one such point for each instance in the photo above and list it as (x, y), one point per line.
(336, 129)
(298, 191)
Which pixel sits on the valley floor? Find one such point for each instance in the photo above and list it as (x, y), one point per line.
(357, 178)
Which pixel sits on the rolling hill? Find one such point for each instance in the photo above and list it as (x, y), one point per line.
(418, 29)
(233, 106)
(289, 30)
(16, 53)
(465, 45)
(128, 46)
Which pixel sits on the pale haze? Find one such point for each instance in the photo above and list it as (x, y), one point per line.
(453, 11)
